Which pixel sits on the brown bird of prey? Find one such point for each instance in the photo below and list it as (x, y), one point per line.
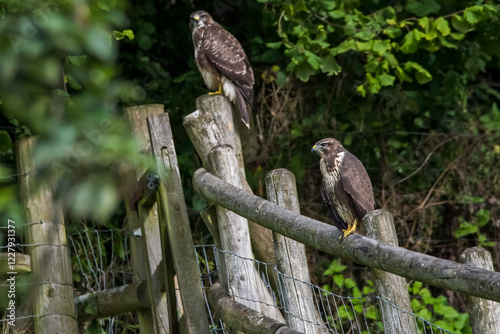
(346, 188)
(222, 62)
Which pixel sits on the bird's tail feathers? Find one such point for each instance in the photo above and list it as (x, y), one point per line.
(242, 106)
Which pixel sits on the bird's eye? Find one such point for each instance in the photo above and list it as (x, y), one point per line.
(322, 144)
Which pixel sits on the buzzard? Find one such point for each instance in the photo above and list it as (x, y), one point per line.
(222, 62)
(346, 188)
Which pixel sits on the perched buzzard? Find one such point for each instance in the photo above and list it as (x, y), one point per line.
(346, 188)
(222, 62)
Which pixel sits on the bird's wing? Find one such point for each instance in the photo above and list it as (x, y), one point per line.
(337, 221)
(228, 56)
(357, 184)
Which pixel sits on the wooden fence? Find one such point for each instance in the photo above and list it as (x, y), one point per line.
(241, 223)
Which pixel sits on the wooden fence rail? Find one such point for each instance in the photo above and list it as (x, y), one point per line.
(242, 318)
(424, 268)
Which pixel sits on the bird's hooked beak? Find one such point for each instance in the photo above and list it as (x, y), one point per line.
(314, 149)
(196, 18)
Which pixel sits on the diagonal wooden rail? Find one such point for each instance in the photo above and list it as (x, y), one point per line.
(431, 270)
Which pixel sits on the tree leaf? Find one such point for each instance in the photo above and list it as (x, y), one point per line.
(336, 14)
(464, 229)
(5, 141)
(339, 280)
(411, 39)
(392, 32)
(381, 46)
(460, 24)
(313, 60)
(274, 45)
(77, 60)
(73, 82)
(442, 26)
(330, 66)
(345, 46)
(472, 14)
(365, 35)
(122, 34)
(91, 308)
(422, 75)
(303, 71)
(422, 7)
(386, 79)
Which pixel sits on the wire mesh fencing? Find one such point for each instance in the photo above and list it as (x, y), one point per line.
(336, 314)
(101, 260)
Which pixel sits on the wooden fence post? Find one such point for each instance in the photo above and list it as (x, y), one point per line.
(212, 125)
(379, 225)
(178, 231)
(238, 275)
(211, 129)
(484, 314)
(291, 258)
(52, 291)
(146, 244)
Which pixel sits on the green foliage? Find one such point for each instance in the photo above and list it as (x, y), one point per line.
(58, 78)
(410, 89)
(95, 327)
(482, 219)
(346, 286)
(437, 311)
(316, 33)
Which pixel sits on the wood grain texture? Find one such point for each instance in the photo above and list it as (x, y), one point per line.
(52, 290)
(298, 300)
(146, 247)
(379, 225)
(176, 229)
(215, 138)
(211, 125)
(484, 314)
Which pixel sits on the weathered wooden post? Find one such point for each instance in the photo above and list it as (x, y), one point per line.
(300, 311)
(212, 130)
(211, 125)
(238, 274)
(178, 231)
(52, 291)
(146, 244)
(484, 314)
(379, 225)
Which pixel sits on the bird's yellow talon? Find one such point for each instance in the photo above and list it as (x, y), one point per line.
(219, 91)
(350, 230)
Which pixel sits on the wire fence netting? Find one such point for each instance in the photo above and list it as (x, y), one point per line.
(101, 260)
